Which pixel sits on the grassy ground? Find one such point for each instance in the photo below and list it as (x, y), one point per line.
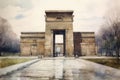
(4, 62)
(107, 62)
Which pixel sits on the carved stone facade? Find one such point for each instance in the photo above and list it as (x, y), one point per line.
(58, 22)
(84, 43)
(32, 43)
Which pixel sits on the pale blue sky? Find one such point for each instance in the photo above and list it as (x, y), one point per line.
(28, 15)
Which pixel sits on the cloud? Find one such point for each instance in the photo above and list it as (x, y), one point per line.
(10, 11)
(28, 15)
(26, 4)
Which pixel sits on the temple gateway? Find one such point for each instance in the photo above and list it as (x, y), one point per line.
(44, 43)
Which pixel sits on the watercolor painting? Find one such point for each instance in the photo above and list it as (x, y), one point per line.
(59, 40)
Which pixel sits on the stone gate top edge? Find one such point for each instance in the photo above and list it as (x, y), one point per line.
(59, 11)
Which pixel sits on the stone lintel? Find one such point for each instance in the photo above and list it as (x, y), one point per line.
(32, 32)
(59, 11)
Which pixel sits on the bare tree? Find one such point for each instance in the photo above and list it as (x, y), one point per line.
(116, 33)
(110, 34)
(105, 41)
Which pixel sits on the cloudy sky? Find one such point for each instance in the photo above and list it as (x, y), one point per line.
(28, 15)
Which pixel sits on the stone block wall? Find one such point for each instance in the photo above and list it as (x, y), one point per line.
(84, 43)
(42, 43)
(59, 20)
(32, 43)
(77, 41)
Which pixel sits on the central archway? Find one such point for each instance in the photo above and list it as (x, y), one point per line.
(58, 32)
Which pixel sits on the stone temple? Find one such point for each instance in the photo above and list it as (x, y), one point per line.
(58, 22)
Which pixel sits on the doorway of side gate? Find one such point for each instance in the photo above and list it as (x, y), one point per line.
(58, 43)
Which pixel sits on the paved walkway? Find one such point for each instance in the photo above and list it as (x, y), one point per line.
(61, 68)
(12, 68)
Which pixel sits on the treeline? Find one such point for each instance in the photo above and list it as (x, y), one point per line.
(108, 39)
(8, 39)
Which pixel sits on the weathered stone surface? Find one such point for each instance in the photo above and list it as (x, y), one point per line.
(84, 43)
(32, 43)
(56, 20)
(42, 43)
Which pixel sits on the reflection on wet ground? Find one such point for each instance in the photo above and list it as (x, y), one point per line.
(64, 69)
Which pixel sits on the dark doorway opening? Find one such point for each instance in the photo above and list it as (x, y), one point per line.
(57, 47)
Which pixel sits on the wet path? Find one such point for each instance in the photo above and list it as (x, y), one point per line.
(64, 69)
